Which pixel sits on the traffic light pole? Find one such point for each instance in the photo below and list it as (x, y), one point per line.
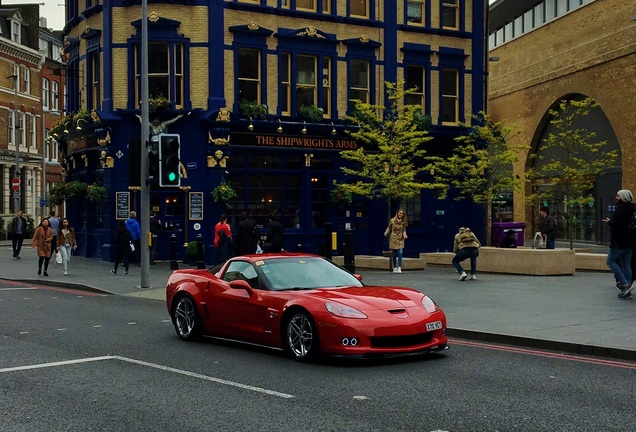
(145, 136)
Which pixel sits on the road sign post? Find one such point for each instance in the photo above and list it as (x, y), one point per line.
(15, 184)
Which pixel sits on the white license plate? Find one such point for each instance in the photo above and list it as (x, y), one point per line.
(433, 326)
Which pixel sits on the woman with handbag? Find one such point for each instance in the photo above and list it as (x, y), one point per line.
(397, 234)
(41, 242)
(66, 243)
(123, 240)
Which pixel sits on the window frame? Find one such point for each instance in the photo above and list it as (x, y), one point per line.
(55, 95)
(45, 93)
(289, 83)
(259, 75)
(175, 73)
(422, 8)
(367, 7)
(351, 88)
(450, 5)
(421, 95)
(446, 96)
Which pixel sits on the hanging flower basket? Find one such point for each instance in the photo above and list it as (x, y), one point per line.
(96, 193)
(223, 192)
(158, 103)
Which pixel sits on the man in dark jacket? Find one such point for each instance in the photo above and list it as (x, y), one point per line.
(547, 226)
(621, 247)
(18, 228)
(247, 236)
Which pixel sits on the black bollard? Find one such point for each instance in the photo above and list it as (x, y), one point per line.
(328, 241)
(173, 252)
(349, 256)
(200, 262)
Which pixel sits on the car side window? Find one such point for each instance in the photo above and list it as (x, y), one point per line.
(241, 270)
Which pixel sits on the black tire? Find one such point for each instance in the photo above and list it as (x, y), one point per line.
(301, 336)
(185, 318)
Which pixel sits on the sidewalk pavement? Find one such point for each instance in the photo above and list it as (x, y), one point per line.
(576, 314)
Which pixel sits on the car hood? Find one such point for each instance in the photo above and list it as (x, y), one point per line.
(370, 297)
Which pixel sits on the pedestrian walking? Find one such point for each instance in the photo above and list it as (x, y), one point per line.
(247, 236)
(41, 242)
(54, 223)
(274, 241)
(547, 226)
(155, 228)
(18, 228)
(621, 244)
(466, 246)
(122, 242)
(66, 243)
(397, 234)
(222, 240)
(135, 232)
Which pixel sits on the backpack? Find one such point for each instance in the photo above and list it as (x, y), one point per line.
(631, 226)
(466, 237)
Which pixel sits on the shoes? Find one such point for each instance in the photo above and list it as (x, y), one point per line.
(473, 277)
(65, 273)
(126, 274)
(399, 269)
(463, 276)
(395, 269)
(46, 274)
(39, 272)
(113, 271)
(625, 296)
(626, 291)
(17, 257)
(619, 286)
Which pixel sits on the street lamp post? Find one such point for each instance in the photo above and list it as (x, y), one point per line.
(17, 193)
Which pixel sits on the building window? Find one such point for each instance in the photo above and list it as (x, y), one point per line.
(55, 95)
(21, 132)
(249, 73)
(450, 96)
(415, 11)
(539, 15)
(10, 128)
(165, 72)
(26, 77)
(45, 94)
(359, 8)
(31, 140)
(450, 14)
(16, 28)
(359, 80)
(308, 5)
(302, 86)
(93, 80)
(415, 83)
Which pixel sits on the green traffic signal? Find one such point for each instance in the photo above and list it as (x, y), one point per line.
(169, 156)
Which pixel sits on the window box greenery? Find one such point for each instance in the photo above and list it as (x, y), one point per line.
(341, 196)
(311, 113)
(157, 103)
(96, 193)
(253, 109)
(223, 192)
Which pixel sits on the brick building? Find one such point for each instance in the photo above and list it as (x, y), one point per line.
(205, 58)
(550, 50)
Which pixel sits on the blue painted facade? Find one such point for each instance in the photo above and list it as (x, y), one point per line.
(290, 172)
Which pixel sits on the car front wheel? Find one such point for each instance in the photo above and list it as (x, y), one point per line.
(185, 318)
(301, 336)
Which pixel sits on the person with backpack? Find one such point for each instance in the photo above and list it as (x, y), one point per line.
(621, 242)
(466, 246)
(222, 240)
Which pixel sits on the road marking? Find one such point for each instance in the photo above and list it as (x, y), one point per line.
(54, 364)
(613, 363)
(207, 378)
(155, 366)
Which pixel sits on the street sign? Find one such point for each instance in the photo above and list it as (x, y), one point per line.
(15, 184)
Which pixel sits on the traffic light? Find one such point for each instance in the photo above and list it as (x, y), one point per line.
(153, 163)
(169, 160)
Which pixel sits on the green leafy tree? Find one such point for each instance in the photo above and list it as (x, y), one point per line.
(570, 159)
(480, 167)
(389, 159)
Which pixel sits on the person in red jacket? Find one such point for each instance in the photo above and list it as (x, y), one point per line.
(222, 240)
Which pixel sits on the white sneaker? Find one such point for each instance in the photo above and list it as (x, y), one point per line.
(65, 273)
(395, 269)
(473, 277)
(399, 269)
(463, 276)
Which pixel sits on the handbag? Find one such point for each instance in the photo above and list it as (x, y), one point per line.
(540, 241)
(58, 257)
(132, 247)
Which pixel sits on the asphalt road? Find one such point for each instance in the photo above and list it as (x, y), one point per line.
(80, 361)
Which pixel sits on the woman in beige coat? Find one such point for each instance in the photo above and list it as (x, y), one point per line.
(66, 242)
(41, 242)
(397, 234)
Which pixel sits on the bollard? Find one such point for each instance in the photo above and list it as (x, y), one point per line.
(328, 241)
(200, 262)
(173, 252)
(349, 256)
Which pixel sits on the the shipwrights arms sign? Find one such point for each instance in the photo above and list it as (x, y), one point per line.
(295, 141)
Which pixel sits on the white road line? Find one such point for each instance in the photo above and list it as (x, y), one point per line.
(155, 366)
(207, 378)
(54, 364)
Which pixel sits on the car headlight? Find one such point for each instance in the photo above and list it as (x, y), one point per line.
(429, 305)
(343, 311)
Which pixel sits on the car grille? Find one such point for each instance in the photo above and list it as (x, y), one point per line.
(401, 341)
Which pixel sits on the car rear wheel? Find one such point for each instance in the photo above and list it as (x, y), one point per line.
(301, 336)
(185, 318)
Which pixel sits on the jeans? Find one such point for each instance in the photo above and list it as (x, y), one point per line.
(619, 261)
(66, 255)
(397, 257)
(17, 244)
(549, 244)
(464, 254)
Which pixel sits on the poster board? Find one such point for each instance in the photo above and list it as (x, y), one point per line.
(196, 205)
(122, 205)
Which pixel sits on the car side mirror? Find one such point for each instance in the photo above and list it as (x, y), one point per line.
(358, 276)
(241, 284)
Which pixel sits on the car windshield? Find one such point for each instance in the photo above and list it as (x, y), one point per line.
(304, 273)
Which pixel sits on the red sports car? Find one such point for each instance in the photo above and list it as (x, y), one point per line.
(304, 304)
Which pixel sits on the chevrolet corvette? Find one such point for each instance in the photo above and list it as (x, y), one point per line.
(303, 304)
